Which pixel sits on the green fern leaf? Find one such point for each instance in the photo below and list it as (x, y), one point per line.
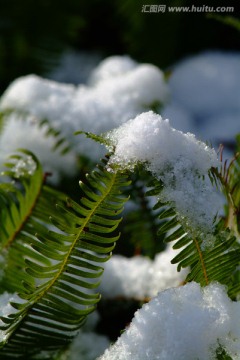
(140, 226)
(97, 138)
(55, 265)
(213, 260)
(16, 206)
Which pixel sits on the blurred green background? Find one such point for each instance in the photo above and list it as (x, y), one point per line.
(34, 33)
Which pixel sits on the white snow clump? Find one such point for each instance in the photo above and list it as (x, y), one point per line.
(182, 323)
(180, 160)
(207, 87)
(110, 101)
(139, 277)
(112, 66)
(207, 83)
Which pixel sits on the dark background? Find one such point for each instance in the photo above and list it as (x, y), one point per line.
(34, 33)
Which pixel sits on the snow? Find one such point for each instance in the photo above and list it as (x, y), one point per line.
(139, 277)
(207, 83)
(203, 88)
(179, 323)
(111, 67)
(23, 133)
(182, 323)
(222, 127)
(204, 98)
(25, 167)
(180, 160)
(88, 346)
(207, 87)
(96, 108)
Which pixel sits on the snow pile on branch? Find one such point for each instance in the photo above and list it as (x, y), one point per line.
(140, 277)
(184, 323)
(179, 160)
(110, 100)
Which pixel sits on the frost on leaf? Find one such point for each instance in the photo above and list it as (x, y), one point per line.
(24, 167)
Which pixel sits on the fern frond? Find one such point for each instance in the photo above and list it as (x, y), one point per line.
(61, 144)
(16, 203)
(234, 285)
(230, 178)
(140, 225)
(209, 257)
(97, 138)
(54, 265)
